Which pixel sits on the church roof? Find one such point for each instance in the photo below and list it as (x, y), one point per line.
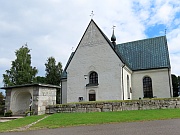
(64, 73)
(143, 54)
(149, 53)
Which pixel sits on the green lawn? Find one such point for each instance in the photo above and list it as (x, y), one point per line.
(6, 126)
(73, 119)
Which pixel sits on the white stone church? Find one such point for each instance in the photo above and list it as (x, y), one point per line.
(100, 69)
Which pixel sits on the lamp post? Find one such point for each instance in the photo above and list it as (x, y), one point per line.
(85, 77)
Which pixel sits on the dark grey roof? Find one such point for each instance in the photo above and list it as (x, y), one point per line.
(64, 73)
(145, 54)
(30, 85)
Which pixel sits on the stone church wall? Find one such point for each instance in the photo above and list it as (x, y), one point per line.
(94, 54)
(160, 83)
(115, 106)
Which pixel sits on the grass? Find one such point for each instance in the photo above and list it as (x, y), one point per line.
(75, 119)
(10, 125)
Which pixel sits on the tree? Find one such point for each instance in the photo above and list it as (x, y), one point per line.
(175, 85)
(1, 98)
(21, 71)
(178, 85)
(40, 79)
(53, 71)
(53, 74)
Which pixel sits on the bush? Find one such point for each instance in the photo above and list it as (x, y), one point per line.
(28, 113)
(2, 107)
(8, 113)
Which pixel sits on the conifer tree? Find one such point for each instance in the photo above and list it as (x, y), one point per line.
(53, 74)
(53, 71)
(175, 85)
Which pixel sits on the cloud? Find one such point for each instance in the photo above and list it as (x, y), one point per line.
(4, 62)
(175, 64)
(174, 39)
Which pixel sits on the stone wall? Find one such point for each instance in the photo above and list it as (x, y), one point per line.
(114, 106)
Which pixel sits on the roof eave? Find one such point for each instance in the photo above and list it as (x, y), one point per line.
(31, 85)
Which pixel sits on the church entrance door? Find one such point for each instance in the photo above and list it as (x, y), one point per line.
(92, 97)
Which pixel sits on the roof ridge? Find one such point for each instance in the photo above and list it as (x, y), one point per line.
(142, 40)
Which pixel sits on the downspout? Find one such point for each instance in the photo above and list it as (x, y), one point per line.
(169, 70)
(170, 82)
(61, 92)
(123, 81)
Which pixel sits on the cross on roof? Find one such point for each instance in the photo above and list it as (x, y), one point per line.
(113, 27)
(92, 14)
(165, 31)
(72, 49)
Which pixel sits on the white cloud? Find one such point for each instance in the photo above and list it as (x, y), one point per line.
(5, 62)
(175, 64)
(174, 40)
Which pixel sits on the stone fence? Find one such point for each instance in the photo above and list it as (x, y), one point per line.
(114, 106)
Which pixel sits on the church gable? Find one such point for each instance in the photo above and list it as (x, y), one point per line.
(93, 42)
(94, 57)
(93, 36)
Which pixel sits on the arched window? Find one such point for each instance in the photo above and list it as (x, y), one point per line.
(147, 87)
(93, 78)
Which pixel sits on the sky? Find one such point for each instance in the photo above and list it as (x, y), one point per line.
(55, 27)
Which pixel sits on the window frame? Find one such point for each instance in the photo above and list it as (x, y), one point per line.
(147, 87)
(93, 78)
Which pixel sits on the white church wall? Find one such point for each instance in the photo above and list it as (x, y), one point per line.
(94, 54)
(160, 83)
(64, 91)
(127, 85)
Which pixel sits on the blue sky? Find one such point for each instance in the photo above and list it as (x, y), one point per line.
(53, 27)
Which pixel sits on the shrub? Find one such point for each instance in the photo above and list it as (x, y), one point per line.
(2, 109)
(8, 113)
(28, 113)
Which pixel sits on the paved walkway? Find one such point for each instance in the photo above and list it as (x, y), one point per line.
(4, 119)
(158, 127)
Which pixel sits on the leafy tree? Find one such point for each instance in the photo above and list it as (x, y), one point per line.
(178, 85)
(21, 71)
(40, 79)
(2, 103)
(1, 98)
(53, 74)
(175, 85)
